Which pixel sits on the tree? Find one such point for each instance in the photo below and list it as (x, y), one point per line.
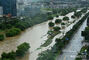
(86, 34)
(21, 49)
(51, 24)
(13, 32)
(66, 18)
(2, 37)
(78, 14)
(46, 55)
(57, 15)
(84, 10)
(8, 56)
(56, 28)
(50, 17)
(62, 23)
(73, 16)
(57, 21)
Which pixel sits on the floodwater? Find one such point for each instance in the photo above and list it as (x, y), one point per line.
(35, 36)
(71, 51)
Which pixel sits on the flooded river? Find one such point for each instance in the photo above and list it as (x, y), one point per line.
(32, 35)
(70, 52)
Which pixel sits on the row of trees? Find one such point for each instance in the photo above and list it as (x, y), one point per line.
(57, 12)
(58, 21)
(85, 49)
(11, 27)
(21, 50)
(85, 33)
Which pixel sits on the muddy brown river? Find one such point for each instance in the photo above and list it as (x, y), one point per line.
(33, 36)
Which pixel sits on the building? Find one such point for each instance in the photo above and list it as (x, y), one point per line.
(9, 7)
(1, 11)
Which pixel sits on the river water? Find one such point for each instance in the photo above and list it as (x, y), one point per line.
(71, 51)
(32, 35)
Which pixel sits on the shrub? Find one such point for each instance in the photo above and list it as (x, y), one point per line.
(66, 18)
(58, 21)
(21, 25)
(73, 16)
(78, 14)
(21, 49)
(56, 28)
(2, 26)
(57, 15)
(62, 23)
(46, 55)
(84, 10)
(51, 24)
(8, 26)
(50, 17)
(86, 34)
(2, 37)
(13, 32)
(8, 56)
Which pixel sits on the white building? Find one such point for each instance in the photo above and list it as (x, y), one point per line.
(1, 11)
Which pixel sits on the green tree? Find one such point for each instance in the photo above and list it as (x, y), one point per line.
(56, 28)
(78, 14)
(57, 21)
(50, 17)
(8, 56)
(13, 32)
(86, 34)
(62, 23)
(21, 49)
(51, 24)
(66, 18)
(73, 16)
(2, 37)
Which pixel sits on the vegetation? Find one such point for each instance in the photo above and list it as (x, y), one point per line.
(21, 50)
(78, 14)
(57, 21)
(66, 18)
(73, 17)
(83, 52)
(46, 55)
(85, 34)
(56, 28)
(13, 32)
(51, 24)
(84, 10)
(2, 37)
(50, 17)
(66, 11)
(57, 15)
(61, 43)
(7, 24)
(62, 23)
(8, 56)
